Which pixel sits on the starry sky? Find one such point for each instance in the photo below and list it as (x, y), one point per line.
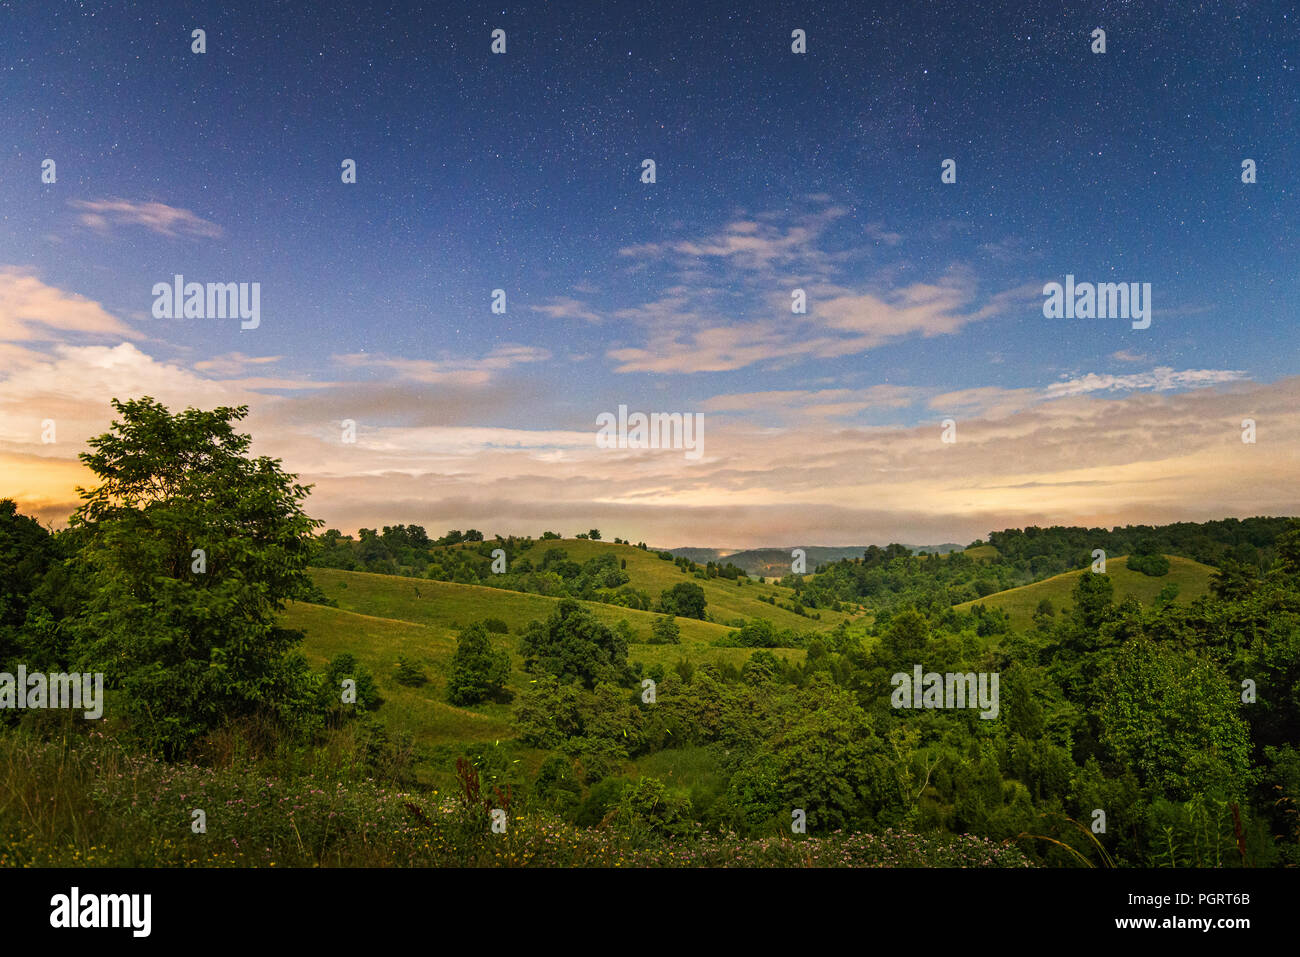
(774, 171)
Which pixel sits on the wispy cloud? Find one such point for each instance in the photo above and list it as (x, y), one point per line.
(463, 371)
(1161, 379)
(817, 403)
(842, 325)
(233, 363)
(104, 214)
(563, 307)
(749, 244)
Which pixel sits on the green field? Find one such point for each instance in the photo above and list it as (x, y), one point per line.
(726, 600)
(1192, 579)
(383, 616)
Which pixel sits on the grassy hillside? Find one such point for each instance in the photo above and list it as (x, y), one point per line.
(448, 606)
(381, 617)
(726, 599)
(376, 643)
(1192, 578)
(982, 552)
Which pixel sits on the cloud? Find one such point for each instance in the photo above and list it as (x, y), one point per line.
(233, 363)
(437, 459)
(725, 303)
(880, 234)
(748, 244)
(842, 325)
(1160, 379)
(1127, 355)
(30, 310)
(818, 403)
(466, 372)
(1079, 460)
(990, 402)
(561, 307)
(103, 214)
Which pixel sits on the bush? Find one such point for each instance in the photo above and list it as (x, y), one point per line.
(1152, 565)
(409, 673)
(345, 667)
(685, 599)
(477, 671)
(665, 631)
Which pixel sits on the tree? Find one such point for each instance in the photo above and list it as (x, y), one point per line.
(755, 633)
(1153, 565)
(666, 631)
(345, 667)
(594, 534)
(1092, 600)
(903, 643)
(574, 646)
(189, 550)
(828, 761)
(1175, 720)
(477, 671)
(29, 565)
(409, 673)
(685, 599)
(1233, 581)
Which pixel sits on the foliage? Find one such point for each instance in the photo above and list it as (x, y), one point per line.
(477, 670)
(188, 549)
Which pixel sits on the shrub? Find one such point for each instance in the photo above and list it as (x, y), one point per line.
(409, 673)
(477, 671)
(665, 631)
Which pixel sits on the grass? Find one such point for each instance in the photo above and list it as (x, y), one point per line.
(449, 606)
(725, 599)
(423, 711)
(1192, 578)
(381, 617)
(85, 802)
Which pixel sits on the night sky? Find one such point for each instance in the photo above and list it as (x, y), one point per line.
(775, 171)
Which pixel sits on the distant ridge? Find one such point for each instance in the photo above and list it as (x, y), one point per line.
(776, 561)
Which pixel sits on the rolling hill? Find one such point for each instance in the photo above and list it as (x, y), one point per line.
(1192, 579)
(383, 616)
(726, 599)
(775, 562)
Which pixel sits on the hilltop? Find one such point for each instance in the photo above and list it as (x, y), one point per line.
(775, 562)
(379, 617)
(1191, 577)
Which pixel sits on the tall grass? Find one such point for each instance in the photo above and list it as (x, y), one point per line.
(72, 799)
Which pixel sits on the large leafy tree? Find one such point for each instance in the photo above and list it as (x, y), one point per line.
(190, 547)
(574, 645)
(1175, 721)
(685, 599)
(477, 670)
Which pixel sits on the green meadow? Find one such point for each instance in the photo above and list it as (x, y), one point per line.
(1192, 579)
